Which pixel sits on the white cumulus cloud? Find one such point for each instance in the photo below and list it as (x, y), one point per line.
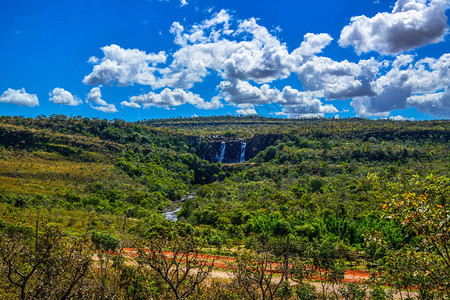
(95, 96)
(242, 92)
(295, 103)
(246, 110)
(411, 24)
(313, 44)
(235, 49)
(248, 59)
(437, 104)
(302, 104)
(19, 97)
(400, 118)
(61, 96)
(124, 67)
(170, 98)
(247, 52)
(339, 80)
(110, 108)
(409, 84)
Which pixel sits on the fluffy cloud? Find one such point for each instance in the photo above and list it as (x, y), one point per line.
(210, 30)
(361, 110)
(339, 80)
(95, 96)
(302, 104)
(19, 97)
(169, 98)
(411, 24)
(262, 59)
(61, 96)
(303, 101)
(427, 75)
(312, 44)
(392, 91)
(248, 52)
(248, 58)
(242, 92)
(409, 84)
(295, 103)
(124, 67)
(246, 110)
(437, 104)
(400, 118)
(110, 108)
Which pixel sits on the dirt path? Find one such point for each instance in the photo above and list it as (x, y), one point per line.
(222, 271)
(221, 264)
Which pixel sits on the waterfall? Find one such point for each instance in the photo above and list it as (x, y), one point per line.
(243, 145)
(222, 151)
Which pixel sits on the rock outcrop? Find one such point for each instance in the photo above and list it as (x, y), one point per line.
(231, 150)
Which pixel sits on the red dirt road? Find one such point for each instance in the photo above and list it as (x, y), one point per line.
(222, 262)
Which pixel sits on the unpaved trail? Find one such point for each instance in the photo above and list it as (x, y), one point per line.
(221, 271)
(222, 263)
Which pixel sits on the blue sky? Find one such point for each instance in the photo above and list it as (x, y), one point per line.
(142, 59)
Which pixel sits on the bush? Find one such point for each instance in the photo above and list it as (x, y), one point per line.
(281, 228)
(104, 241)
(378, 292)
(352, 291)
(305, 292)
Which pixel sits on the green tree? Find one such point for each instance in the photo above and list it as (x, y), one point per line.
(45, 266)
(254, 272)
(427, 214)
(176, 260)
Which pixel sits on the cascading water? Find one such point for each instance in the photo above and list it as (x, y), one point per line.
(222, 151)
(242, 158)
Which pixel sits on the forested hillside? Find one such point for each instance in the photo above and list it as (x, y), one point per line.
(311, 197)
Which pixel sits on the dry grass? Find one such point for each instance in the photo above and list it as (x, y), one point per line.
(42, 172)
(74, 222)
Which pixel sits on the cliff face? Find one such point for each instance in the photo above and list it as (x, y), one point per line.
(229, 150)
(260, 142)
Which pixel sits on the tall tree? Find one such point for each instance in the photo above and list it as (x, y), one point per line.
(46, 266)
(176, 258)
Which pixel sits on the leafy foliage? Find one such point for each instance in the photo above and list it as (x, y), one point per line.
(320, 195)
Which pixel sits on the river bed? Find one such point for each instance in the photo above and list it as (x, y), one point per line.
(171, 215)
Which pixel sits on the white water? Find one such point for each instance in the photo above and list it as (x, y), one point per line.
(222, 151)
(243, 145)
(172, 214)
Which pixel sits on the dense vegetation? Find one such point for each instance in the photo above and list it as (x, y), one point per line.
(315, 195)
